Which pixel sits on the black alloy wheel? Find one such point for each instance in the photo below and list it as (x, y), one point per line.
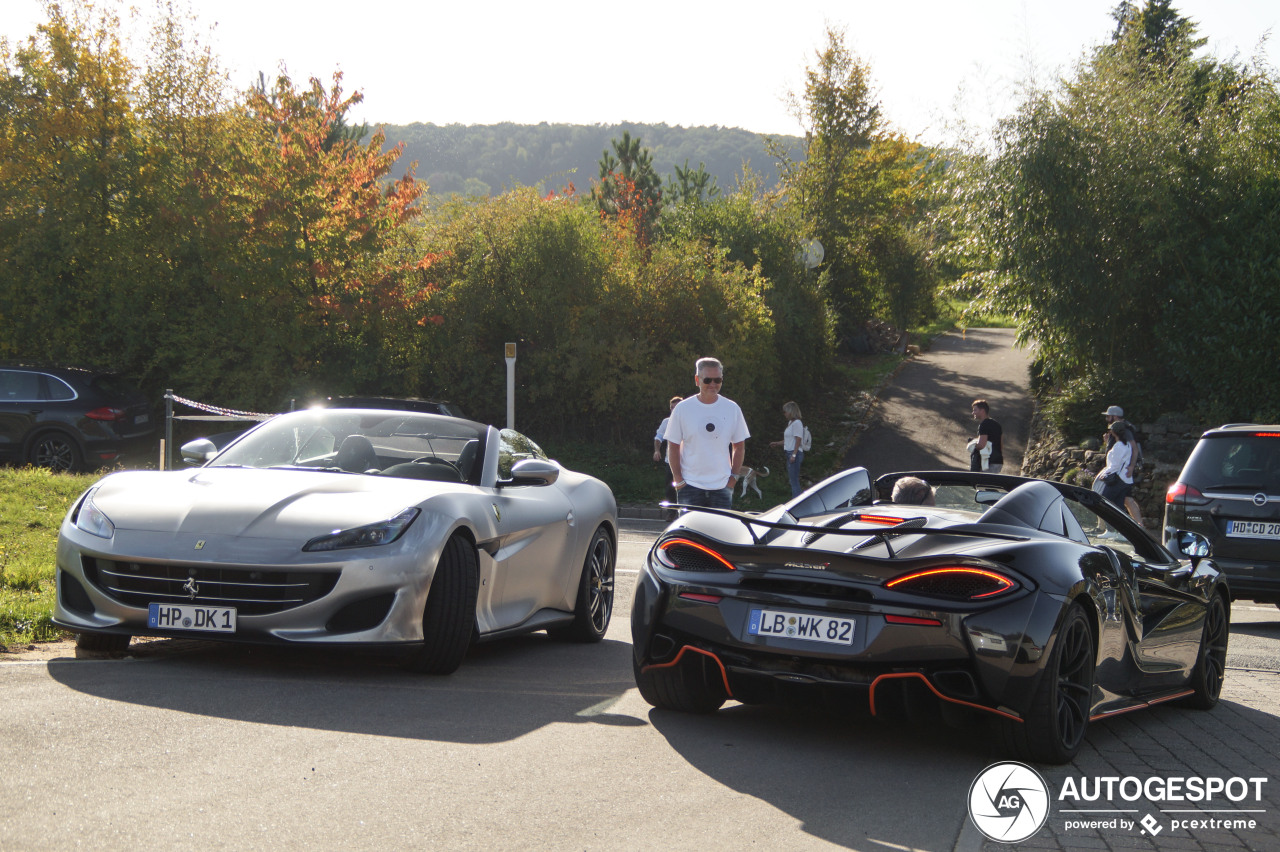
(1211, 667)
(594, 602)
(1055, 725)
(55, 451)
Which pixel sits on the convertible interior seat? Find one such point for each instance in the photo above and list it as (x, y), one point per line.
(356, 455)
(417, 470)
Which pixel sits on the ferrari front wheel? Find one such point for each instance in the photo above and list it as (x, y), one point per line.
(448, 620)
(593, 606)
(1054, 726)
(691, 685)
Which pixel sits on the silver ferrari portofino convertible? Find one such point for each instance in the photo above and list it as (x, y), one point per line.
(416, 532)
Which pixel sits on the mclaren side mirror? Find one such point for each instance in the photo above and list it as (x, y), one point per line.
(532, 472)
(198, 451)
(1193, 544)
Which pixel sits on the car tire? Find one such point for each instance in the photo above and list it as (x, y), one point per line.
(448, 619)
(1211, 665)
(103, 641)
(594, 603)
(1054, 726)
(56, 451)
(691, 686)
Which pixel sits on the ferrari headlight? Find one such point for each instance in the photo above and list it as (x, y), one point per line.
(369, 535)
(91, 519)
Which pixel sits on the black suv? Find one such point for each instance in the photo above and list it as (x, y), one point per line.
(1229, 492)
(68, 419)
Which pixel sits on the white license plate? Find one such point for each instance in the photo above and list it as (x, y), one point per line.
(1253, 529)
(798, 625)
(142, 418)
(207, 619)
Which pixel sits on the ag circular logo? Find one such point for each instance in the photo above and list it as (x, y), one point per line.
(1009, 802)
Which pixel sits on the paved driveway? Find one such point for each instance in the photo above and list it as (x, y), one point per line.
(922, 419)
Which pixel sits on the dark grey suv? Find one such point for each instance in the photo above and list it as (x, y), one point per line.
(69, 419)
(1229, 492)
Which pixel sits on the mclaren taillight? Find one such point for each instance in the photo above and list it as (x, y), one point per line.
(1181, 492)
(684, 555)
(105, 413)
(958, 582)
(882, 520)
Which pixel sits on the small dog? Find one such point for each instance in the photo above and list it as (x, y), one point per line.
(749, 480)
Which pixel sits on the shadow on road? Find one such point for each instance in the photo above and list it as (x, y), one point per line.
(504, 690)
(847, 780)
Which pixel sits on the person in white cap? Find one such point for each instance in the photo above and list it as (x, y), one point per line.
(1115, 414)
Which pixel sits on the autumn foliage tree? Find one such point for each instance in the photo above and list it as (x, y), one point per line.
(245, 245)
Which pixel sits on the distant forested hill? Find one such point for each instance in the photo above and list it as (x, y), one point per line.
(480, 159)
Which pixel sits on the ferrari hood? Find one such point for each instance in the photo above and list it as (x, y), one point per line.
(255, 503)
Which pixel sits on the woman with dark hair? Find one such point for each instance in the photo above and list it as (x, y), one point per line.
(1116, 480)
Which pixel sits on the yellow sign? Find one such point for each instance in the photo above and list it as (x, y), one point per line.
(511, 350)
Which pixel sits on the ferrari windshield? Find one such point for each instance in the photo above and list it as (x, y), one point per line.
(405, 444)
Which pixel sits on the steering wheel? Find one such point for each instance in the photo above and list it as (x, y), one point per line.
(435, 460)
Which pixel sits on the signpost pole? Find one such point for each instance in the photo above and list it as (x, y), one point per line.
(511, 386)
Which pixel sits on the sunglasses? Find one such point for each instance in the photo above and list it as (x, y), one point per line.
(712, 380)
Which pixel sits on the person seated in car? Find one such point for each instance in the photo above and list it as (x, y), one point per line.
(913, 490)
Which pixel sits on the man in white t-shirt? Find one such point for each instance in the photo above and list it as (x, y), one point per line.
(706, 441)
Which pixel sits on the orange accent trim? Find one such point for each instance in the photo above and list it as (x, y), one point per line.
(1144, 705)
(724, 675)
(935, 691)
(1000, 578)
(696, 546)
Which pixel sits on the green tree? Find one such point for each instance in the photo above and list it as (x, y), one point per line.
(628, 189)
(690, 185)
(861, 192)
(1127, 219)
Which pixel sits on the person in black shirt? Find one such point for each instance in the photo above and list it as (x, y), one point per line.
(989, 432)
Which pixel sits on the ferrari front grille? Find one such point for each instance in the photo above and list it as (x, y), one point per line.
(252, 591)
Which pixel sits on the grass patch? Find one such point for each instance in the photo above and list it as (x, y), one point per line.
(33, 502)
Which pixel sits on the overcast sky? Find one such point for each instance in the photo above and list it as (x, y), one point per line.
(681, 63)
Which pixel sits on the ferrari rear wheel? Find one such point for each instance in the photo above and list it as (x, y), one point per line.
(1211, 667)
(1055, 725)
(448, 620)
(594, 603)
(103, 641)
(691, 686)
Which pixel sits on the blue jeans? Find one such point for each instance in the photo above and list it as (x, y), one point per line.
(793, 472)
(720, 498)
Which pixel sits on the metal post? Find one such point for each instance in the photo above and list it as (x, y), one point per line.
(168, 429)
(511, 386)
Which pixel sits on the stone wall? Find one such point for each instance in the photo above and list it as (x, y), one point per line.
(1166, 443)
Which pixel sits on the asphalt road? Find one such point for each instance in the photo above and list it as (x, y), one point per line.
(922, 420)
(533, 744)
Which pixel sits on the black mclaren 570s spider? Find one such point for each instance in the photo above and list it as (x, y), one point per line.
(1037, 604)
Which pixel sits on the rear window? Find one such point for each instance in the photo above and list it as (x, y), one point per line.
(1246, 461)
(114, 387)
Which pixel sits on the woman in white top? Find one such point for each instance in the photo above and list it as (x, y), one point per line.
(1118, 464)
(790, 443)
